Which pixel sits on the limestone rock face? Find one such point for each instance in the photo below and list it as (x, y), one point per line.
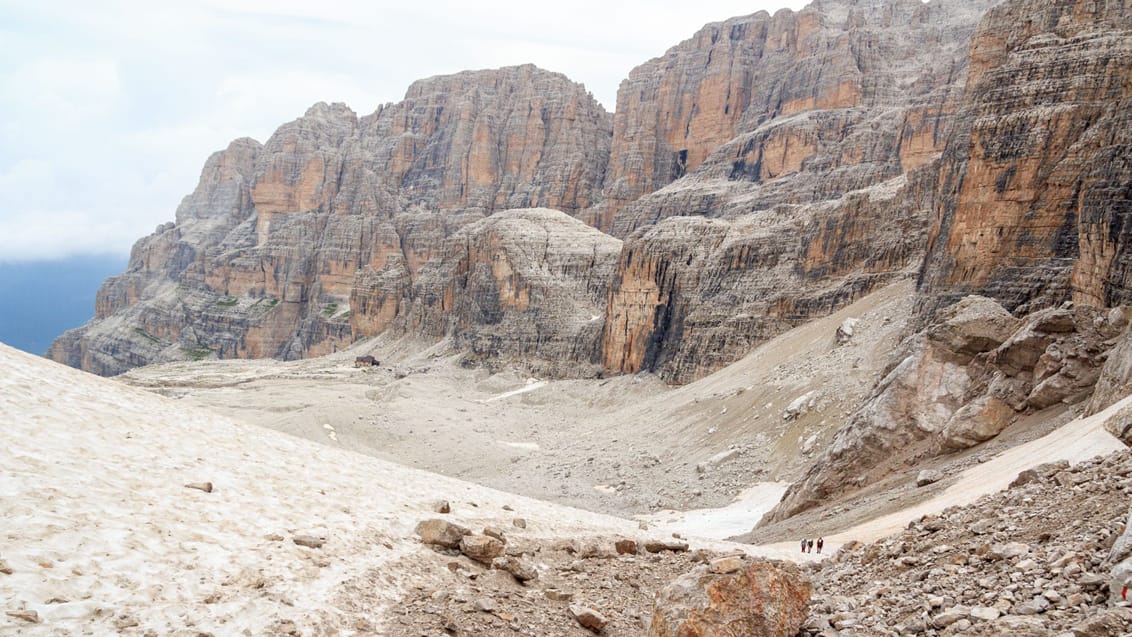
(814, 185)
(764, 599)
(526, 286)
(268, 253)
(960, 383)
(693, 294)
(1036, 183)
(809, 104)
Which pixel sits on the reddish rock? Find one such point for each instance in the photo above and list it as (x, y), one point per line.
(764, 599)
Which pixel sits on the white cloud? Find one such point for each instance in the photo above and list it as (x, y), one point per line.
(110, 108)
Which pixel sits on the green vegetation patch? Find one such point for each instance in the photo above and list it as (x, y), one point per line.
(228, 301)
(329, 309)
(197, 353)
(144, 334)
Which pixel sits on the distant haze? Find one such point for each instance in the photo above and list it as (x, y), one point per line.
(111, 108)
(41, 300)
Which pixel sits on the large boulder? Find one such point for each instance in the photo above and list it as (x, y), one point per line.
(763, 599)
(974, 325)
(441, 533)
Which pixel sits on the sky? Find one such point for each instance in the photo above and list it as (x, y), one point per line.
(109, 109)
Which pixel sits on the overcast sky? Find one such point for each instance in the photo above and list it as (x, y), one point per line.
(108, 109)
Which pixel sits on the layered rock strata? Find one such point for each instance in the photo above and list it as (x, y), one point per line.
(522, 286)
(767, 171)
(805, 171)
(269, 251)
(1035, 197)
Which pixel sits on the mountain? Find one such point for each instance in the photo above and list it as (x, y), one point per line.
(767, 171)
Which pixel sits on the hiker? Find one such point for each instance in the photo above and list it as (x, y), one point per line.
(821, 543)
(810, 546)
(803, 545)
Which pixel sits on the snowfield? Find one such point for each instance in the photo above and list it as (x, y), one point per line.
(101, 534)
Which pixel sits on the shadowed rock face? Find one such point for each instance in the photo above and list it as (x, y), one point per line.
(521, 286)
(1035, 195)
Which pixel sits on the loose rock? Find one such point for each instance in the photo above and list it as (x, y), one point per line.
(441, 533)
(588, 617)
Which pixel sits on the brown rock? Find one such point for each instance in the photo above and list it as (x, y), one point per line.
(558, 595)
(441, 532)
(627, 547)
(763, 599)
(300, 245)
(4, 568)
(200, 486)
(520, 570)
(1115, 380)
(30, 616)
(496, 533)
(481, 548)
(589, 618)
(519, 523)
(442, 506)
(725, 565)
(309, 541)
(656, 546)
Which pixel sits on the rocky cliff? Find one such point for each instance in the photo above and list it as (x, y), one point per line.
(278, 239)
(804, 145)
(1032, 210)
(767, 171)
(1035, 202)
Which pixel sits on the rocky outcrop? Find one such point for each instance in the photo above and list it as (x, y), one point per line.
(1035, 189)
(807, 105)
(960, 383)
(767, 171)
(693, 294)
(760, 599)
(521, 286)
(268, 253)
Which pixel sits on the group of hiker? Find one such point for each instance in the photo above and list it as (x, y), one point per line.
(808, 545)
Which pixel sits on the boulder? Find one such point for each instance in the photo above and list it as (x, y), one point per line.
(844, 332)
(656, 546)
(309, 541)
(1119, 424)
(481, 548)
(974, 325)
(1120, 556)
(520, 570)
(1115, 380)
(441, 533)
(588, 617)
(928, 476)
(764, 598)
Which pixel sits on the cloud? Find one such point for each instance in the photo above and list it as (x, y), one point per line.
(111, 108)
